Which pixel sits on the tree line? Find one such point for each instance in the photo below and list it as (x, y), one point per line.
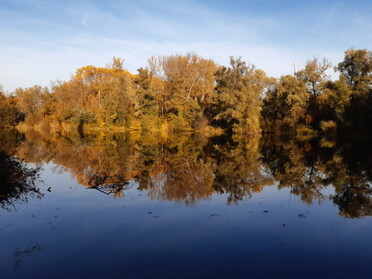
(181, 93)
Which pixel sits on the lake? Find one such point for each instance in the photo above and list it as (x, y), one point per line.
(184, 206)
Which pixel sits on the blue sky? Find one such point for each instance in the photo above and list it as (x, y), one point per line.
(43, 41)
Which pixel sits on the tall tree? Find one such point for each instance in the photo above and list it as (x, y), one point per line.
(285, 106)
(357, 69)
(238, 91)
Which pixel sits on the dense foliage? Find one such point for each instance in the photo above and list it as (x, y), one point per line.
(192, 93)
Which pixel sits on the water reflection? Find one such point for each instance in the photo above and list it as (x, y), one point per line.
(107, 184)
(188, 168)
(18, 181)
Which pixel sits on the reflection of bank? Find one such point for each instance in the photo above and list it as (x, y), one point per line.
(344, 164)
(109, 184)
(185, 169)
(18, 181)
(354, 201)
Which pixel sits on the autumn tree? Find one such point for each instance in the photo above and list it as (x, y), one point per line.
(188, 85)
(357, 69)
(333, 102)
(98, 94)
(9, 114)
(33, 103)
(188, 92)
(314, 75)
(285, 106)
(237, 102)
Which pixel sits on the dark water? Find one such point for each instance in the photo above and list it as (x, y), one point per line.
(130, 206)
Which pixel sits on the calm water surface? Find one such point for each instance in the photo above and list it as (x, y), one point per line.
(130, 206)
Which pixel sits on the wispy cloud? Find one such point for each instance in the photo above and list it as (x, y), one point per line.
(44, 40)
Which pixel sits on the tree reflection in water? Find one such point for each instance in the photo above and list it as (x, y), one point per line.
(18, 181)
(188, 167)
(107, 184)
